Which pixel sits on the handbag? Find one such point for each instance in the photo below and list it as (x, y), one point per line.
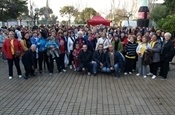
(17, 53)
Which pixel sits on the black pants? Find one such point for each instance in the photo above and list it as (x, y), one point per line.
(43, 57)
(70, 58)
(87, 66)
(164, 67)
(62, 61)
(129, 64)
(16, 60)
(154, 67)
(51, 67)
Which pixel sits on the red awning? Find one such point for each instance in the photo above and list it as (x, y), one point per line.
(97, 20)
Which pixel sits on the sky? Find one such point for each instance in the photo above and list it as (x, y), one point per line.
(101, 6)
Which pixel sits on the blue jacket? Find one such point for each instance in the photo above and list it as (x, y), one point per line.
(41, 42)
(34, 40)
(51, 43)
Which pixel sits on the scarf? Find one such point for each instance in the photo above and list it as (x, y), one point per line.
(116, 45)
(111, 56)
(152, 43)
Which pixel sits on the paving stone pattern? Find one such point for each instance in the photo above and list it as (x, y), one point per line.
(78, 94)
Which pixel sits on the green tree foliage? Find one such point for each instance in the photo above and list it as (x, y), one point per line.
(12, 9)
(85, 15)
(170, 6)
(68, 11)
(51, 20)
(159, 12)
(167, 23)
(44, 10)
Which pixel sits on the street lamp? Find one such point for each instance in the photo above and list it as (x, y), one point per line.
(36, 16)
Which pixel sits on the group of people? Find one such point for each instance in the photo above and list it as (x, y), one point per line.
(88, 49)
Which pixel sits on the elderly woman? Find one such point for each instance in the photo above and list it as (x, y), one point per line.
(166, 53)
(12, 50)
(141, 48)
(156, 47)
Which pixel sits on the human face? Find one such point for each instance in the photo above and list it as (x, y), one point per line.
(167, 36)
(111, 49)
(11, 35)
(26, 36)
(100, 47)
(80, 35)
(144, 39)
(116, 38)
(84, 48)
(53, 34)
(139, 38)
(131, 39)
(154, 38)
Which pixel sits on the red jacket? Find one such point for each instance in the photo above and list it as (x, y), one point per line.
(6, 48)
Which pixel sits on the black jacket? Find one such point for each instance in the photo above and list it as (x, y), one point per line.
(167, 51)
(84, 57)
(100, 58)
(28, 58)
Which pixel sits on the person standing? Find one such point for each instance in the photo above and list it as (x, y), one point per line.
(28, 61)
(12, 50)
(166, 53)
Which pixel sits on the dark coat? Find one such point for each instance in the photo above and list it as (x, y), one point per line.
(100, 57)
(147, 57)
(84, 57)
(28, 58)
(167, 51)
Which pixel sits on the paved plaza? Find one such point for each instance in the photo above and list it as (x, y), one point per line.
(78, 94)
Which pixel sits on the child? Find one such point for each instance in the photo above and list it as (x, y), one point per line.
(75, 56)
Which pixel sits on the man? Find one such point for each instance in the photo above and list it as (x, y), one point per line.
(166, 53)
(18, 33)
(116, 60)
(84, 60)
(99, 59)
(28, 61)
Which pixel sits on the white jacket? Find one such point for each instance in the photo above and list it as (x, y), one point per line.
(70, 44)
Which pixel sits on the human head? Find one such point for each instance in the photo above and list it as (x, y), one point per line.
(11, 35)
(84, 47)
(33, 47)
(167, 36)
(154, 37)
(132, 38)
(26, 35)
(80, 34)
(116, 38)
(144, 39)
(76, 46)
(111, 48)
(100, 47)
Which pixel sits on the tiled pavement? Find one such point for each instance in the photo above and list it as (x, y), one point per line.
(78, 94)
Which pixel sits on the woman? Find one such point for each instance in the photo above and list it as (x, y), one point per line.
(166, 53)
(52, 51)
(118, 46)
(12, 50)
(141, 48)
(41, 42)
(70, 44)
(130, 56)
(156, 47)
(25, 42)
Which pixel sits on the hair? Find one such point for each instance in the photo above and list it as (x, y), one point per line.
(168, 34)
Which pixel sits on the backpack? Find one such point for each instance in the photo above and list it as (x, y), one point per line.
(147, 57)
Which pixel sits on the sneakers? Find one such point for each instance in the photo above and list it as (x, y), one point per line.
(89, 74)
(149, 74)
(70, 67)
(50, 73)
(130, 73)
(144, 76)
(125, 73)
(153, 77)
(64, 70)
(10, 77)
(20, 76)
(137, 74)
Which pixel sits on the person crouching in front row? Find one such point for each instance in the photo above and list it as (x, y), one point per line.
(28, 61)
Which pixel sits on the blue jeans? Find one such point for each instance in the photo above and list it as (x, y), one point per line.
(116, 68)
(95, 66)
(106, 70)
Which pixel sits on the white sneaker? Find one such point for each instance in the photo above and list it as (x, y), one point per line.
(70, 66)
(10, 77)
(20, 76)
(125, 73)
(130, 73)
(64, 70)
(149, 74)
(153, 77)
(89, 73)
(144, 76)
(137, 74)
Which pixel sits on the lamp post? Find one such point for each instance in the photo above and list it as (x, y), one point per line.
(36, 16)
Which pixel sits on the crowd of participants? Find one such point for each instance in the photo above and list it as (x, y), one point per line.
(93, 50)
